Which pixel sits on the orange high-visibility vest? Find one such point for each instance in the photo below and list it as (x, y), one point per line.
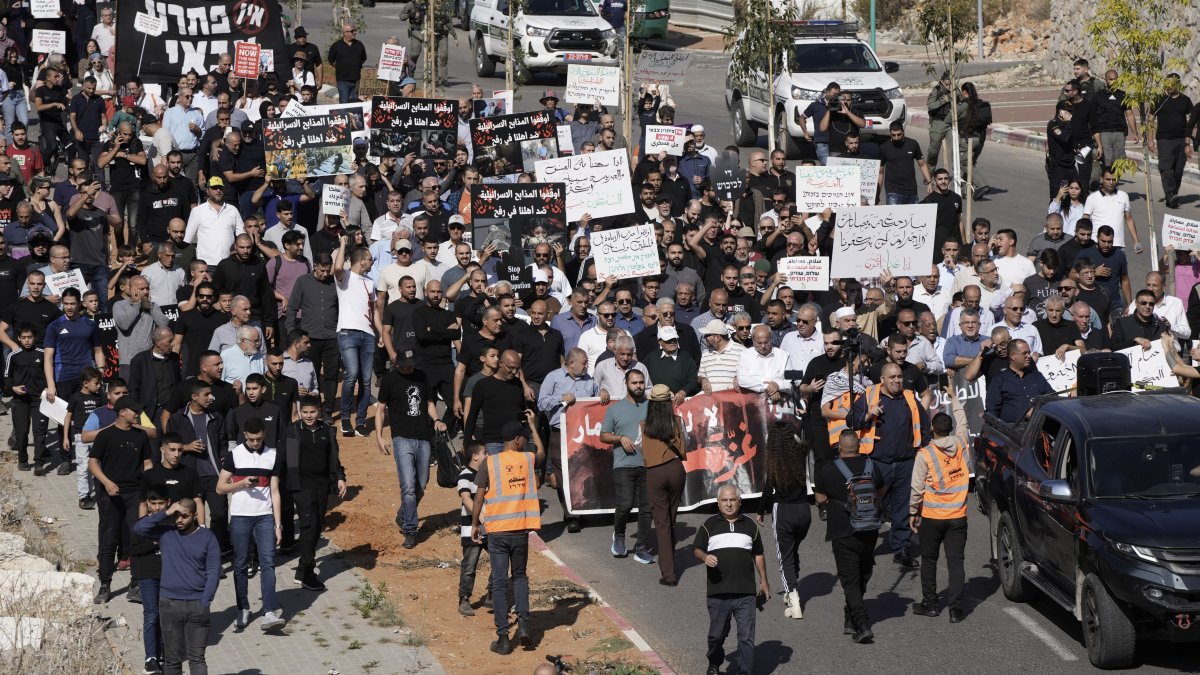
(867, 444)
(945, 495)
(836, 427)
(510, 503)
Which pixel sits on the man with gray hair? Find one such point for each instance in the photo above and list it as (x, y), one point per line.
(226, 335)
(805, 343)
(647, 341)
(610, 373)
(135, 316)
(243, 358)
(1058, 333)
(560, 390)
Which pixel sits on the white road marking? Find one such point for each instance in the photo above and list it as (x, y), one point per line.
(636, 639)
(1059, 649)
(554, 558)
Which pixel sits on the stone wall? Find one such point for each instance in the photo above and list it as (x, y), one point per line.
(1069, 41)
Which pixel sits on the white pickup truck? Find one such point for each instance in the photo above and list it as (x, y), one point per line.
(552, 33)
(823, 52)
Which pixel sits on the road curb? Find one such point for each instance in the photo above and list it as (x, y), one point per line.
(652, 658)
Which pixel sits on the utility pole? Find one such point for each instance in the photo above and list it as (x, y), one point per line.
(511, 62)
(430, 51)
(627, 79)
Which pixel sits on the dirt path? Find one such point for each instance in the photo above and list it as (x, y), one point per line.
(424, 581)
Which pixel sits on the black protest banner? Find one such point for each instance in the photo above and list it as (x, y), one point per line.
(303, 147)
(106, 326)
(196, 33)
(395, 113)
(513, 143)
(726, 177)
(507, 214)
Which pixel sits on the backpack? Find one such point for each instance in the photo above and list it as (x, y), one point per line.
(448, 464)
(985, 115)
(863, 501)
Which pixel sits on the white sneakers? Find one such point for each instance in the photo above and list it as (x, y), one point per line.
(792, 605)
(272, 621)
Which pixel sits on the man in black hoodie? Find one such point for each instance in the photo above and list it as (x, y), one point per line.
(315, 298)
(313, 472)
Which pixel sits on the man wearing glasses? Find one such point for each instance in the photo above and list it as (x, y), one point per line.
(1012, 390)
(347, 57)
(186, 125)
(243, 359)
(1014, 311)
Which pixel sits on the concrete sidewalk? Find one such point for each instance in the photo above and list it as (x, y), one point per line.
(325, 634)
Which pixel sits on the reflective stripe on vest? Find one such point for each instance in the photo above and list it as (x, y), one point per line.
(945, 495)
(511, 503)
(868, 436)
(836, 427)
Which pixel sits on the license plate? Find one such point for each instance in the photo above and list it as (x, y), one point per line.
(577, 56)
(870, 123)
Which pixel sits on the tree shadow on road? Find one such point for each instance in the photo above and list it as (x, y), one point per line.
(770, 655)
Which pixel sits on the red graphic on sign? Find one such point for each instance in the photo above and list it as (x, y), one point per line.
(250, 16)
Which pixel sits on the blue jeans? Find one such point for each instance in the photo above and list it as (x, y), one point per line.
(493, 448)
(151, 634)
(894, 198)
(822, 153)
(347, 91)
(262, 529)
(14, 107)
(97, 278)
(896, 477)
(412, 466)
(358, 352)
(509, 550)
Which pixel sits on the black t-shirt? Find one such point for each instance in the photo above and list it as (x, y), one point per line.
(399, 315)
(89, 236)
(283, 393)
(831, 483)
(39, 313)
(474, 344)
(80, 406)
(735, 544)
(819, 368)
(157, 208)
(540, 352)
(949, 211)
(315, 445)
(50, 94)
(224, 397)
(900, 165)
(122, 173)
(1110, 111)
(197, 330)
(182, 481)
(1171, 113)
(267, 412)
(407, 401)
(1053, 337)
(840, 126)
(12, 276)
(121, 453)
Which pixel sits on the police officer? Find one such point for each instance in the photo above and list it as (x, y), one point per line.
(1060, 151)
(937, 507)
(940, 106)
(415, 13)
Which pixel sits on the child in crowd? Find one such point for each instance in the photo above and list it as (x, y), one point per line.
(82, 403)
(146, 567)
(26, 380)
(475, 454)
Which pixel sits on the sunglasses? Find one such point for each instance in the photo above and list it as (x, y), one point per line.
(741, 327)
(1145, 303)
(1016, 309)
(1065, 288)
(206, 297)
(907, 323)
(607, 315)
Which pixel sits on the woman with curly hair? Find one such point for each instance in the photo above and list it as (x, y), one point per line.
(785, 494)
(663, 453)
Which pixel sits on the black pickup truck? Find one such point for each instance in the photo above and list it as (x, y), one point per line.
(1095, 501)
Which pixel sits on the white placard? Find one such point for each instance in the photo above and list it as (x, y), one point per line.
(827, 187)
(806, 273)
(48, 42)
(662, 67)
(57, 283)
(1060, 374)
(44, 9)
(593, 84)
(56, 411)
(293, 109)
(150, 25)
(1149, 366)
(507, 95)
(1180, 232)
(566, 142)
(597, 184)
(391, 63)
(666, 138)
(625, 253)
(868, 175)
(334, 199)
(869, 239)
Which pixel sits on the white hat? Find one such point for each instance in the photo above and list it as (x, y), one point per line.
(456, 219)
(404, 244)
(696, 129)
(843, 313)
(715, 327)
(666, 333)
(540, 277)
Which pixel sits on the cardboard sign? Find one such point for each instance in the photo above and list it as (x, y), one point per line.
(144, 23)
(626, 253)
(392, 59)
(869, 239)
(806, 273)
(827, 187)
(1180, 232)
(57, 283)
(293, 109)
(868, 175)
(566, 142)
(593, 84)
(1148, 367)
(246, 59)
(334, 199)
(597, 183)
(1060, 374)
(662, 67)
(44, 9)
(48, 42)
(666, 138)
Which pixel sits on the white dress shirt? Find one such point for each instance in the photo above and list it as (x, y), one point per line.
(1026, 331)
(803, 349)
(938, 301)
(212, 229)
(1171, 308)
(756, 370)
(922, 351)
(594, 342)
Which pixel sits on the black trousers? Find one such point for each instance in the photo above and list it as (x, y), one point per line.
(817, 436)
(466, 573)
(721, 609)
(310, 508)
(854, 557)
(441, 380)
(217, 506)
(54, 136)
(184, 625)
(25, 414)
(1172, 159)
(630, 485)
(951, 532)
(1057, 174)
(790, 523)
(326, 358)
(117, 515)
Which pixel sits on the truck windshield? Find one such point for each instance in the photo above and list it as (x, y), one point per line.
(825, 57)
(1166, 466)
(560, 8)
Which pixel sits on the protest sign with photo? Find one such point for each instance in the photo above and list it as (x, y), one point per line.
(597, 183)
(302, 147)
(509, 144)
(1061, 374)
(505, 95)
(1148, 367)
(509, 215)
(660, 137)
(61, 281)
(626, 253)
(44, 9)
(391, 63)
(246, 59)
(593, 84)
(827, 187)
(395, 113)
(195, 34)
(566, 142)
(48, 42)
(488, 107)
(868, 175)
(661, 67)
(870, 239)
(806, 273)
(334, 199)
(725, 437)
(1180, 232)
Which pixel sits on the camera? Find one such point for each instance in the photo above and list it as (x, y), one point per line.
(851, 339)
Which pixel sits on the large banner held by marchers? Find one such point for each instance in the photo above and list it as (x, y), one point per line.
(725, 436)
(195, 34)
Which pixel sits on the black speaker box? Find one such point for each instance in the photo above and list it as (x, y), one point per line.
(1101, 372)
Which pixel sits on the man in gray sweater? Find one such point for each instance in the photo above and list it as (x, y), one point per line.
(136, 318)
(313, 307)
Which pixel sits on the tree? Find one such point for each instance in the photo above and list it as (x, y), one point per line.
(947, 40)
(1143, 49)
(761, 33)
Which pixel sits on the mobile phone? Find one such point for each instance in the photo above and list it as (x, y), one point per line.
(1062, 184)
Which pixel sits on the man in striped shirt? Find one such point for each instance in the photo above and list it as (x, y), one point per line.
(467, 488)
(719, 365)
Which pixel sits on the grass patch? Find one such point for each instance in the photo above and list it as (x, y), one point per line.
(374, 604)
(413, 639)
(611, 645)
(368, 667)
(355, 645)
(603, 665)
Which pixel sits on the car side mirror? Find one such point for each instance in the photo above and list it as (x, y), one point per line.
(890, 66)
(1056, 491)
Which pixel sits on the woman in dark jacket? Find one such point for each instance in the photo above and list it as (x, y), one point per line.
(785, 495)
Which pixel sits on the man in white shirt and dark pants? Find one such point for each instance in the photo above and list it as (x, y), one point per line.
(358, 325)
(762, 369)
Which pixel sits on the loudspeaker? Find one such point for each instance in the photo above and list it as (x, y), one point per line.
(1101, 372)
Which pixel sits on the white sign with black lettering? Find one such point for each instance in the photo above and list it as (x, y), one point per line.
(44, 9)
(827, 187)
(150, 25)
(597, 184)
(1060, 374)
(48, 42)
(626, 253)
(868, 175)
(662, 67)
(1148, 367)
(334, 199)
(806, 273)
(870, 239)
(593, 84)
(666, 138)
(61, 281)
(1180, 232)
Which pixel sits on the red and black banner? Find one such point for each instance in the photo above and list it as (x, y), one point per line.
(508, 144)
(396, 113)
